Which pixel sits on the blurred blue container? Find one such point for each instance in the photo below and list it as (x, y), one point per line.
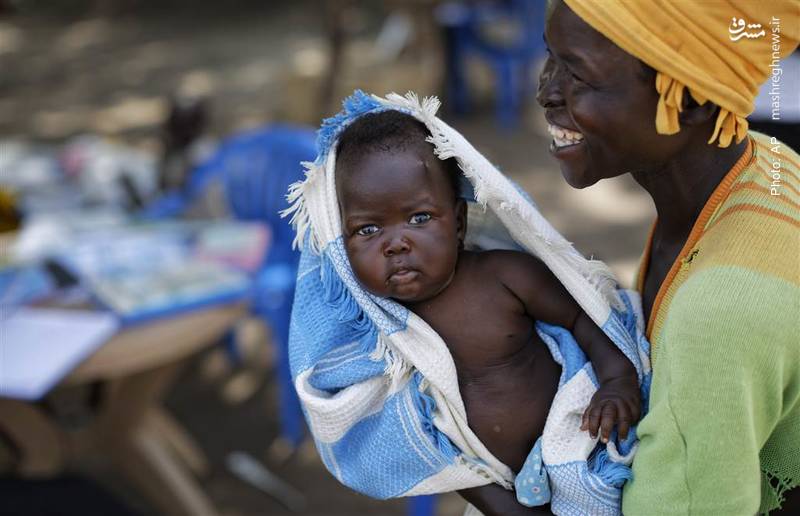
(511, 57)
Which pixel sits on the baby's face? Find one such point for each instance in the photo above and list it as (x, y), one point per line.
(401, 222)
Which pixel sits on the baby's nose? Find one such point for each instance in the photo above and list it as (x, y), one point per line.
(396, 244)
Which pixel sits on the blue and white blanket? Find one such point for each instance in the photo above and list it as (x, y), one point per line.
(378, 386)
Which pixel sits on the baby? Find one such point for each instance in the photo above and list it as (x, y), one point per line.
(404, 229)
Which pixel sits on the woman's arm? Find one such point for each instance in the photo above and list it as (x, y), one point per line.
(722, 364)
(493, 500)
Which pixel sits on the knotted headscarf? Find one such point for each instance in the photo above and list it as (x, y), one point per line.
(719, 50)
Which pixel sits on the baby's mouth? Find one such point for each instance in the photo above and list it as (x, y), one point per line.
(402, 276)
(563, 137)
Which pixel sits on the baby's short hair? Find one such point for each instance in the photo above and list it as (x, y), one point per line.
(387, 131)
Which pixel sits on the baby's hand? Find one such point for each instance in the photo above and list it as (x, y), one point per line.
(618, 400)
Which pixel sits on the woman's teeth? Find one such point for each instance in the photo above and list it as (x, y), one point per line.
(563, 137)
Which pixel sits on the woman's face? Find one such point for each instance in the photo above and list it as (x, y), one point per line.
(600, 104)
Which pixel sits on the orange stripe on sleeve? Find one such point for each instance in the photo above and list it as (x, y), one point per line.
(761, 210)
(753, 186)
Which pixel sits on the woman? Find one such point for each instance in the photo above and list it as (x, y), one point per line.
(719, 279)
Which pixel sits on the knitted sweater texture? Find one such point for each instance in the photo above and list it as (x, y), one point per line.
(723, 432)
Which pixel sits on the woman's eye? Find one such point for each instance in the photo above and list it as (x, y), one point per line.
(367, 230)
(576, 77)
(420, 218)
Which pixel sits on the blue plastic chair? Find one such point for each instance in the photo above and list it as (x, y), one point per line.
(256, 169)
(512, 64)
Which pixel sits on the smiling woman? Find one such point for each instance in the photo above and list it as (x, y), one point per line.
(661, 90)
(604, 133)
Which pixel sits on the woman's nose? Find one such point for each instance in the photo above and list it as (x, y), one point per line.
(549, 92)
(396, 244)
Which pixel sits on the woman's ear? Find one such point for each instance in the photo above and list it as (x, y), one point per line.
(461, 221)
(694, 113)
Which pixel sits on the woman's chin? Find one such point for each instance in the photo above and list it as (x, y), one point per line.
(576, 179)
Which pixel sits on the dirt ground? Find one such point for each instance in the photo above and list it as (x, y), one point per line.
(110, 72)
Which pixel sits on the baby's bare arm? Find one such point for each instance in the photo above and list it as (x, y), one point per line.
(545, 299)
(618, 399)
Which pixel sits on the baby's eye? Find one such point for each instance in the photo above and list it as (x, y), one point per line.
(367, 230)
(419, 218)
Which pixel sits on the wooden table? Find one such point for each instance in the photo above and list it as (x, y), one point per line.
(131, 429)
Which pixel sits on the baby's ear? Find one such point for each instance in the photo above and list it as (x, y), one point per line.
(461, 221)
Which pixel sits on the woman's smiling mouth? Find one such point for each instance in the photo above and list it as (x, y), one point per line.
(563, 137)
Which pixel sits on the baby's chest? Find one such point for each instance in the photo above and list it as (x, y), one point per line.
(482, 327)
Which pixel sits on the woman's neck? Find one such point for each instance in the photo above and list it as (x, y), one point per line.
(682, 187)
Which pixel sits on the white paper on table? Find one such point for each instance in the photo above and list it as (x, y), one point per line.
(39, 347)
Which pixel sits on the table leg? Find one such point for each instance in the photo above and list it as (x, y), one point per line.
(40, 443)
(146, 460)
(128, 435)
(181, 443)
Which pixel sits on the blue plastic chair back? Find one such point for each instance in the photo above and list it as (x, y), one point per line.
(258, 168)
(529, 14)
(511, 61)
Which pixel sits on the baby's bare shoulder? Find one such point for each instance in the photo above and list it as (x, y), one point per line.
(506, 264)
(525, 275)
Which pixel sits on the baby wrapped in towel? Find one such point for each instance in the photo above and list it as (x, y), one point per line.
(402, 226)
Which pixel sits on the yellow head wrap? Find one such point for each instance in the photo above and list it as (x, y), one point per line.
(720, 50)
